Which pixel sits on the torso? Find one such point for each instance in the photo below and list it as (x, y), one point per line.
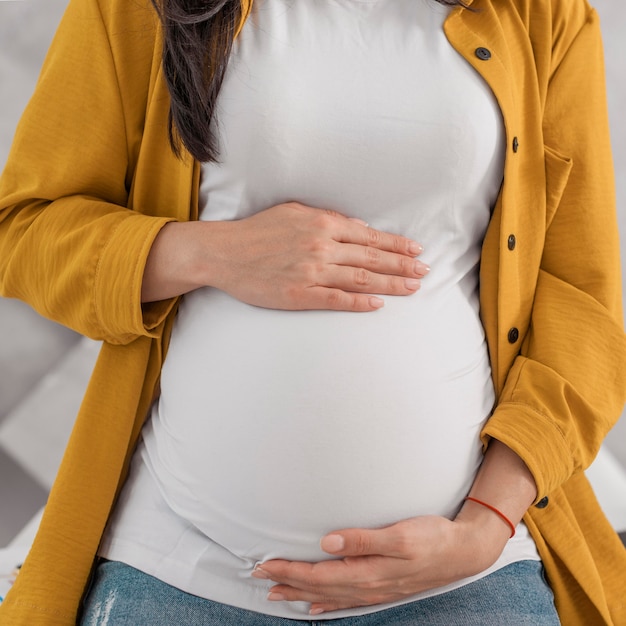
(275, 427)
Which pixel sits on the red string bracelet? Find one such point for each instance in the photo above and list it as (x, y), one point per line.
(499, 513)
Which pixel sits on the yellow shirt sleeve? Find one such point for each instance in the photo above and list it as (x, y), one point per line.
(69, 246)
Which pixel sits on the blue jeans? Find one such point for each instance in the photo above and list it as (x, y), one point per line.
(516, 595)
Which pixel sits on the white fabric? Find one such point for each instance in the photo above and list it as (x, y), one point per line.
(145, 533)
(276, 427)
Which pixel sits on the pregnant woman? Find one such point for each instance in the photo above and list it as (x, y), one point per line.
(355, 269)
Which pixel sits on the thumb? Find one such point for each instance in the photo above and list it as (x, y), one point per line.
(400, 540)
(352, 542)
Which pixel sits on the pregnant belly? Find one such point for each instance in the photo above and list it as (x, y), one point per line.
(294, 424)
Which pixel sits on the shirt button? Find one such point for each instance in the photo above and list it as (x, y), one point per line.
(543, 503)
(513, 335)
(483, 54)
(511, 241)
(515, 144)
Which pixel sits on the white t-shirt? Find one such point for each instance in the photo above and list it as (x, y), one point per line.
(276, 427)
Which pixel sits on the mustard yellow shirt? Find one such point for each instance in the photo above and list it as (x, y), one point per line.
(91, 180)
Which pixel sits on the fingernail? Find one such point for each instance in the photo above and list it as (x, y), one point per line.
(377, 303)
(333, 543)
(359, 221)
(316, 611)
(275, 597)
(411, 283)
(257, 572)
(421, 268)
(416, 248)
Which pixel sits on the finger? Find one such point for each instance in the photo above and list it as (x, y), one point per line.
(352, 232)
(357, 595)
(321, 603)
(355, 230)
(358, 221)
(284, 593)
(379, 261)
(333, 299)
(359, 280)
(318, 578)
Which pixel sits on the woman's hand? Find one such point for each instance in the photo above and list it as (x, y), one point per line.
(391, 563)
(417, 554)
(289, 256)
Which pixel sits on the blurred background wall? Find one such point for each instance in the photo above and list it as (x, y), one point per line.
(44, 368)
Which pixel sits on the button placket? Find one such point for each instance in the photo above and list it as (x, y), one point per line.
(511, 243)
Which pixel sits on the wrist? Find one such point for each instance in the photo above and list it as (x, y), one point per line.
(485, 522)
(480, 538)
(495, 510)
(209, 249)
(482, 535)
(184, 256)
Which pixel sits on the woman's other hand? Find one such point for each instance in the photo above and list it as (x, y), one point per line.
(395, 562)
(289, 256)
(391, 563)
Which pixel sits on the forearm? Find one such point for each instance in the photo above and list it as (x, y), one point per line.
(504, 482)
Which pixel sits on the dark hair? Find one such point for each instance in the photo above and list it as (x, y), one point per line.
(198, 37)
